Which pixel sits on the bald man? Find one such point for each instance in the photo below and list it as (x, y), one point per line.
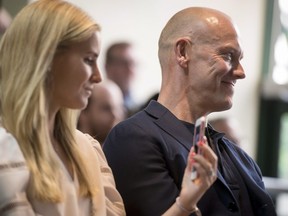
(200, 56)
(104, 110)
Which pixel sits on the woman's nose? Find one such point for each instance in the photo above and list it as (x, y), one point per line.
(96, 76)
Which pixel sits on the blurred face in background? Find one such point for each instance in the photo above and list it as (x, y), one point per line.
(105, 109)
(121, 68)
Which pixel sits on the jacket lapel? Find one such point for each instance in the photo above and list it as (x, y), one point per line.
(170, 124)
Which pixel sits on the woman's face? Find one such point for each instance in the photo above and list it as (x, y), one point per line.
(74, 72)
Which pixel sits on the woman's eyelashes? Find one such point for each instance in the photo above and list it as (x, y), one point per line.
(90, 61)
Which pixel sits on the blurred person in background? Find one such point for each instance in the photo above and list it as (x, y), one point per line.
(229, 126)
(104, 110)
(5, 19)
(120, 67)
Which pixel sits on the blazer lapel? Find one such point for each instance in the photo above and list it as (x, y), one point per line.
(170, 124)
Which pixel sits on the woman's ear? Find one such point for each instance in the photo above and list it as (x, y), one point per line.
(181, 51)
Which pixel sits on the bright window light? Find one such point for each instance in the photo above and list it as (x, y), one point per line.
(280, 75)
(281, 50)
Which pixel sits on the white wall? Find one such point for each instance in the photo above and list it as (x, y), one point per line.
(141, 22)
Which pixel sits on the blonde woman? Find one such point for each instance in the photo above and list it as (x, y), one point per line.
(48, 67)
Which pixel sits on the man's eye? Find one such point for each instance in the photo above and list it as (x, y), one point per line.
(228, 57)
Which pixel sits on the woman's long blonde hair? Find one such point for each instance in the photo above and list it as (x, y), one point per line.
(26, 52)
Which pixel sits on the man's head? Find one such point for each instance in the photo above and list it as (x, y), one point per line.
(120, 65)
(105, 109)
(200, 53)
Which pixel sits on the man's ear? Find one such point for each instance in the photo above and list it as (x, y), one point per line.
(181, 51)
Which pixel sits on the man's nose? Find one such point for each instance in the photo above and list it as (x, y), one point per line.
(239, 72)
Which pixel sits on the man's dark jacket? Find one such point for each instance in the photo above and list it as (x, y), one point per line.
(148, 154)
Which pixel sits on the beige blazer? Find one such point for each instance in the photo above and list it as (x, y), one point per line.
(15, 200)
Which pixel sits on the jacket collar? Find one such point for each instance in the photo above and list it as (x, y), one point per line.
(168, 122)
